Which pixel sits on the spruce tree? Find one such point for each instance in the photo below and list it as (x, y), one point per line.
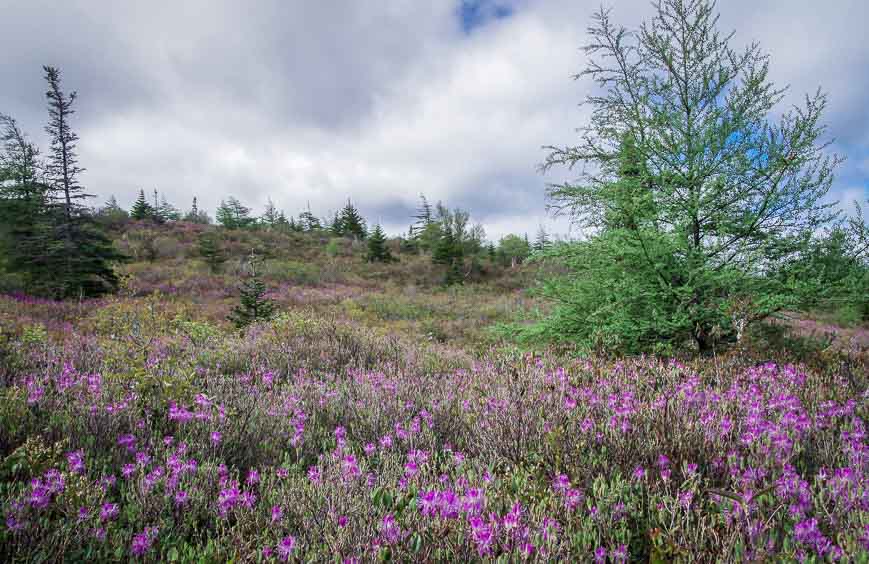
(253, 306)
(141, 208)
(270, 216)
(211, 252)
(541, 243)
(377, 249)
(232, 214)
(80, 252)
(195, 215)
(166, 211)
(352, 224)
(24, 218)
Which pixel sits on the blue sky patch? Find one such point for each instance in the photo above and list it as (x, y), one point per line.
(473, 14)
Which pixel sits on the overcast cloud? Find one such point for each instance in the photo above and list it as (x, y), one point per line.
(318, 101)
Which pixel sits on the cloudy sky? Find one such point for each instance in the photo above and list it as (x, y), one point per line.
(320, 100)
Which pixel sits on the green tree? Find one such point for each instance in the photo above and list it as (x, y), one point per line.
(271, 215)
(694, 195)
(232, 214)
(166, 211)
(141, 208)
(195, 215)
(210, 250)
(24, 214)
(377, 249)
(112, 214)
(351, 223)
(253, 306)
(80, 253)
(513, 250)
(541, 242)
(448, 252)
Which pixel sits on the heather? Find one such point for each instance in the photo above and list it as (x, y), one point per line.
(135, 427)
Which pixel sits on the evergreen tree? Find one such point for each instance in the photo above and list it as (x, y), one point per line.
(80, 252)
(270, 217)
(232, 214)
(308, 221)
(211, 251)
(448, 252)
(112, 214)
(423, 217)
(24, 218)
(541, 243)
(195, 215)
(336, 227)
(352, 224)
(253, 306)
(141, 208)
(166, 211)
(377, 249)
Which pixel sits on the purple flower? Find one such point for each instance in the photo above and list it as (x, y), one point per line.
(143, 541)
(215, 438)
(286, 546)
(277, 513)
(342, 521)
(600, 555)
(560, 483)
(370, 449)
(76, 461)
(390, 530)
(252, 477)
(181, 497)
(108, 511)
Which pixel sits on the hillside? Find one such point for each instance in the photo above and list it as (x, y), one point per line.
(379, 416)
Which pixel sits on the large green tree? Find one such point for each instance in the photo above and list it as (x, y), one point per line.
(24, 222)
(79, 253)
(695, 189)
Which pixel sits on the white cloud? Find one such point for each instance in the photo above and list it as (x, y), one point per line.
(322, 101)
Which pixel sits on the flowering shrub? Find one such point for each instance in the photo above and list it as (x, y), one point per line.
(308, 439)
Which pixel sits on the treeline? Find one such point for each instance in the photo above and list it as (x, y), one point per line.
(447, 235)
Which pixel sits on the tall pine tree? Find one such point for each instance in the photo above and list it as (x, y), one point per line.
(79, 252)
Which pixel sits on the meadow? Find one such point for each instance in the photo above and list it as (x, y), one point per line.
(380, 416)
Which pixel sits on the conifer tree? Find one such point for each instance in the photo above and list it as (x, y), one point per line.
(377, 249)
(195, 215)
(270, 216)
(112, 214)
(24, 218)
(232, 214)
(253, 306)
(308, 221)
(80, 253)
(352, 224)
(697, 187)
(166, 211)
(211, 251)
(335, 226)
(541, 242)
(141, 208)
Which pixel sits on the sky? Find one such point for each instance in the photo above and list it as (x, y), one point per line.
(314, 102)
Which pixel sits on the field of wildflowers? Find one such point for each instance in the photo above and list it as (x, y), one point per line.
(371, 423)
